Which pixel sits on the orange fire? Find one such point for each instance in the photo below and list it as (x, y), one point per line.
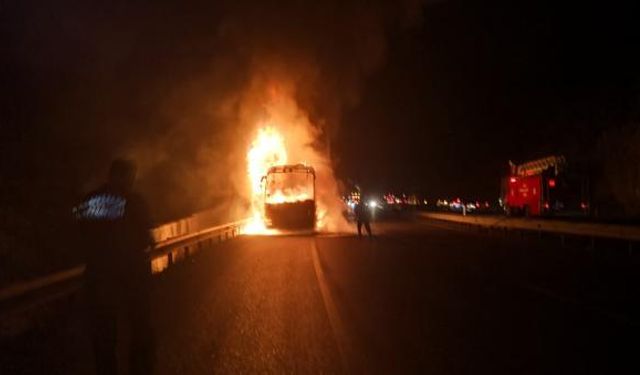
(267, 150)
(288, 137)
(288, 196)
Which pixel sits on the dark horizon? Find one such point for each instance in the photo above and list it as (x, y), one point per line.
(479, 85)
(227, 238)
(435, 98)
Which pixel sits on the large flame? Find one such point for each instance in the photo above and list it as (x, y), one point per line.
(287, 136)
(288, 196)
(266, 151)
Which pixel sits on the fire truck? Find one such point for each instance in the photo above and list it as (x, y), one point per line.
(290, 197)
(545, 187)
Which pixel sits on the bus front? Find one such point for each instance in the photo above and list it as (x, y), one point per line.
(290, 197)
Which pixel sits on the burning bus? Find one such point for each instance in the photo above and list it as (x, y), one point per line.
(290, 197)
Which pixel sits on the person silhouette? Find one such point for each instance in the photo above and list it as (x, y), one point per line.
(363, 217)
(114, 229)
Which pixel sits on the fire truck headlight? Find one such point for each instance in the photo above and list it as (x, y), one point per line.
(373, 204)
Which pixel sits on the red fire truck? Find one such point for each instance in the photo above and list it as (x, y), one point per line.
(544, 187)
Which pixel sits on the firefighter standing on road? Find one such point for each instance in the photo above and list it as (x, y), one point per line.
(114, 229)
(363, 217)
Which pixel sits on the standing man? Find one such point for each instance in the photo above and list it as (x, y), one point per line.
(114, 227)
(363, 217)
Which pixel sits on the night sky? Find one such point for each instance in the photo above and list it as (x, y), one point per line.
(433, 97)
(482, 83)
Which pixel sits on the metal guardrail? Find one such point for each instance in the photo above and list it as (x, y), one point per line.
(171, 250)
(593, 230)
(24, 295)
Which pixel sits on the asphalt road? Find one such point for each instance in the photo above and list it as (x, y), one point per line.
(420, 297)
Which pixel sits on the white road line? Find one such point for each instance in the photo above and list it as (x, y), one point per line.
(337, 326)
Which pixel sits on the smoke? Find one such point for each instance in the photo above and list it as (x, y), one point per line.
(276, 106)
(182, 88)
